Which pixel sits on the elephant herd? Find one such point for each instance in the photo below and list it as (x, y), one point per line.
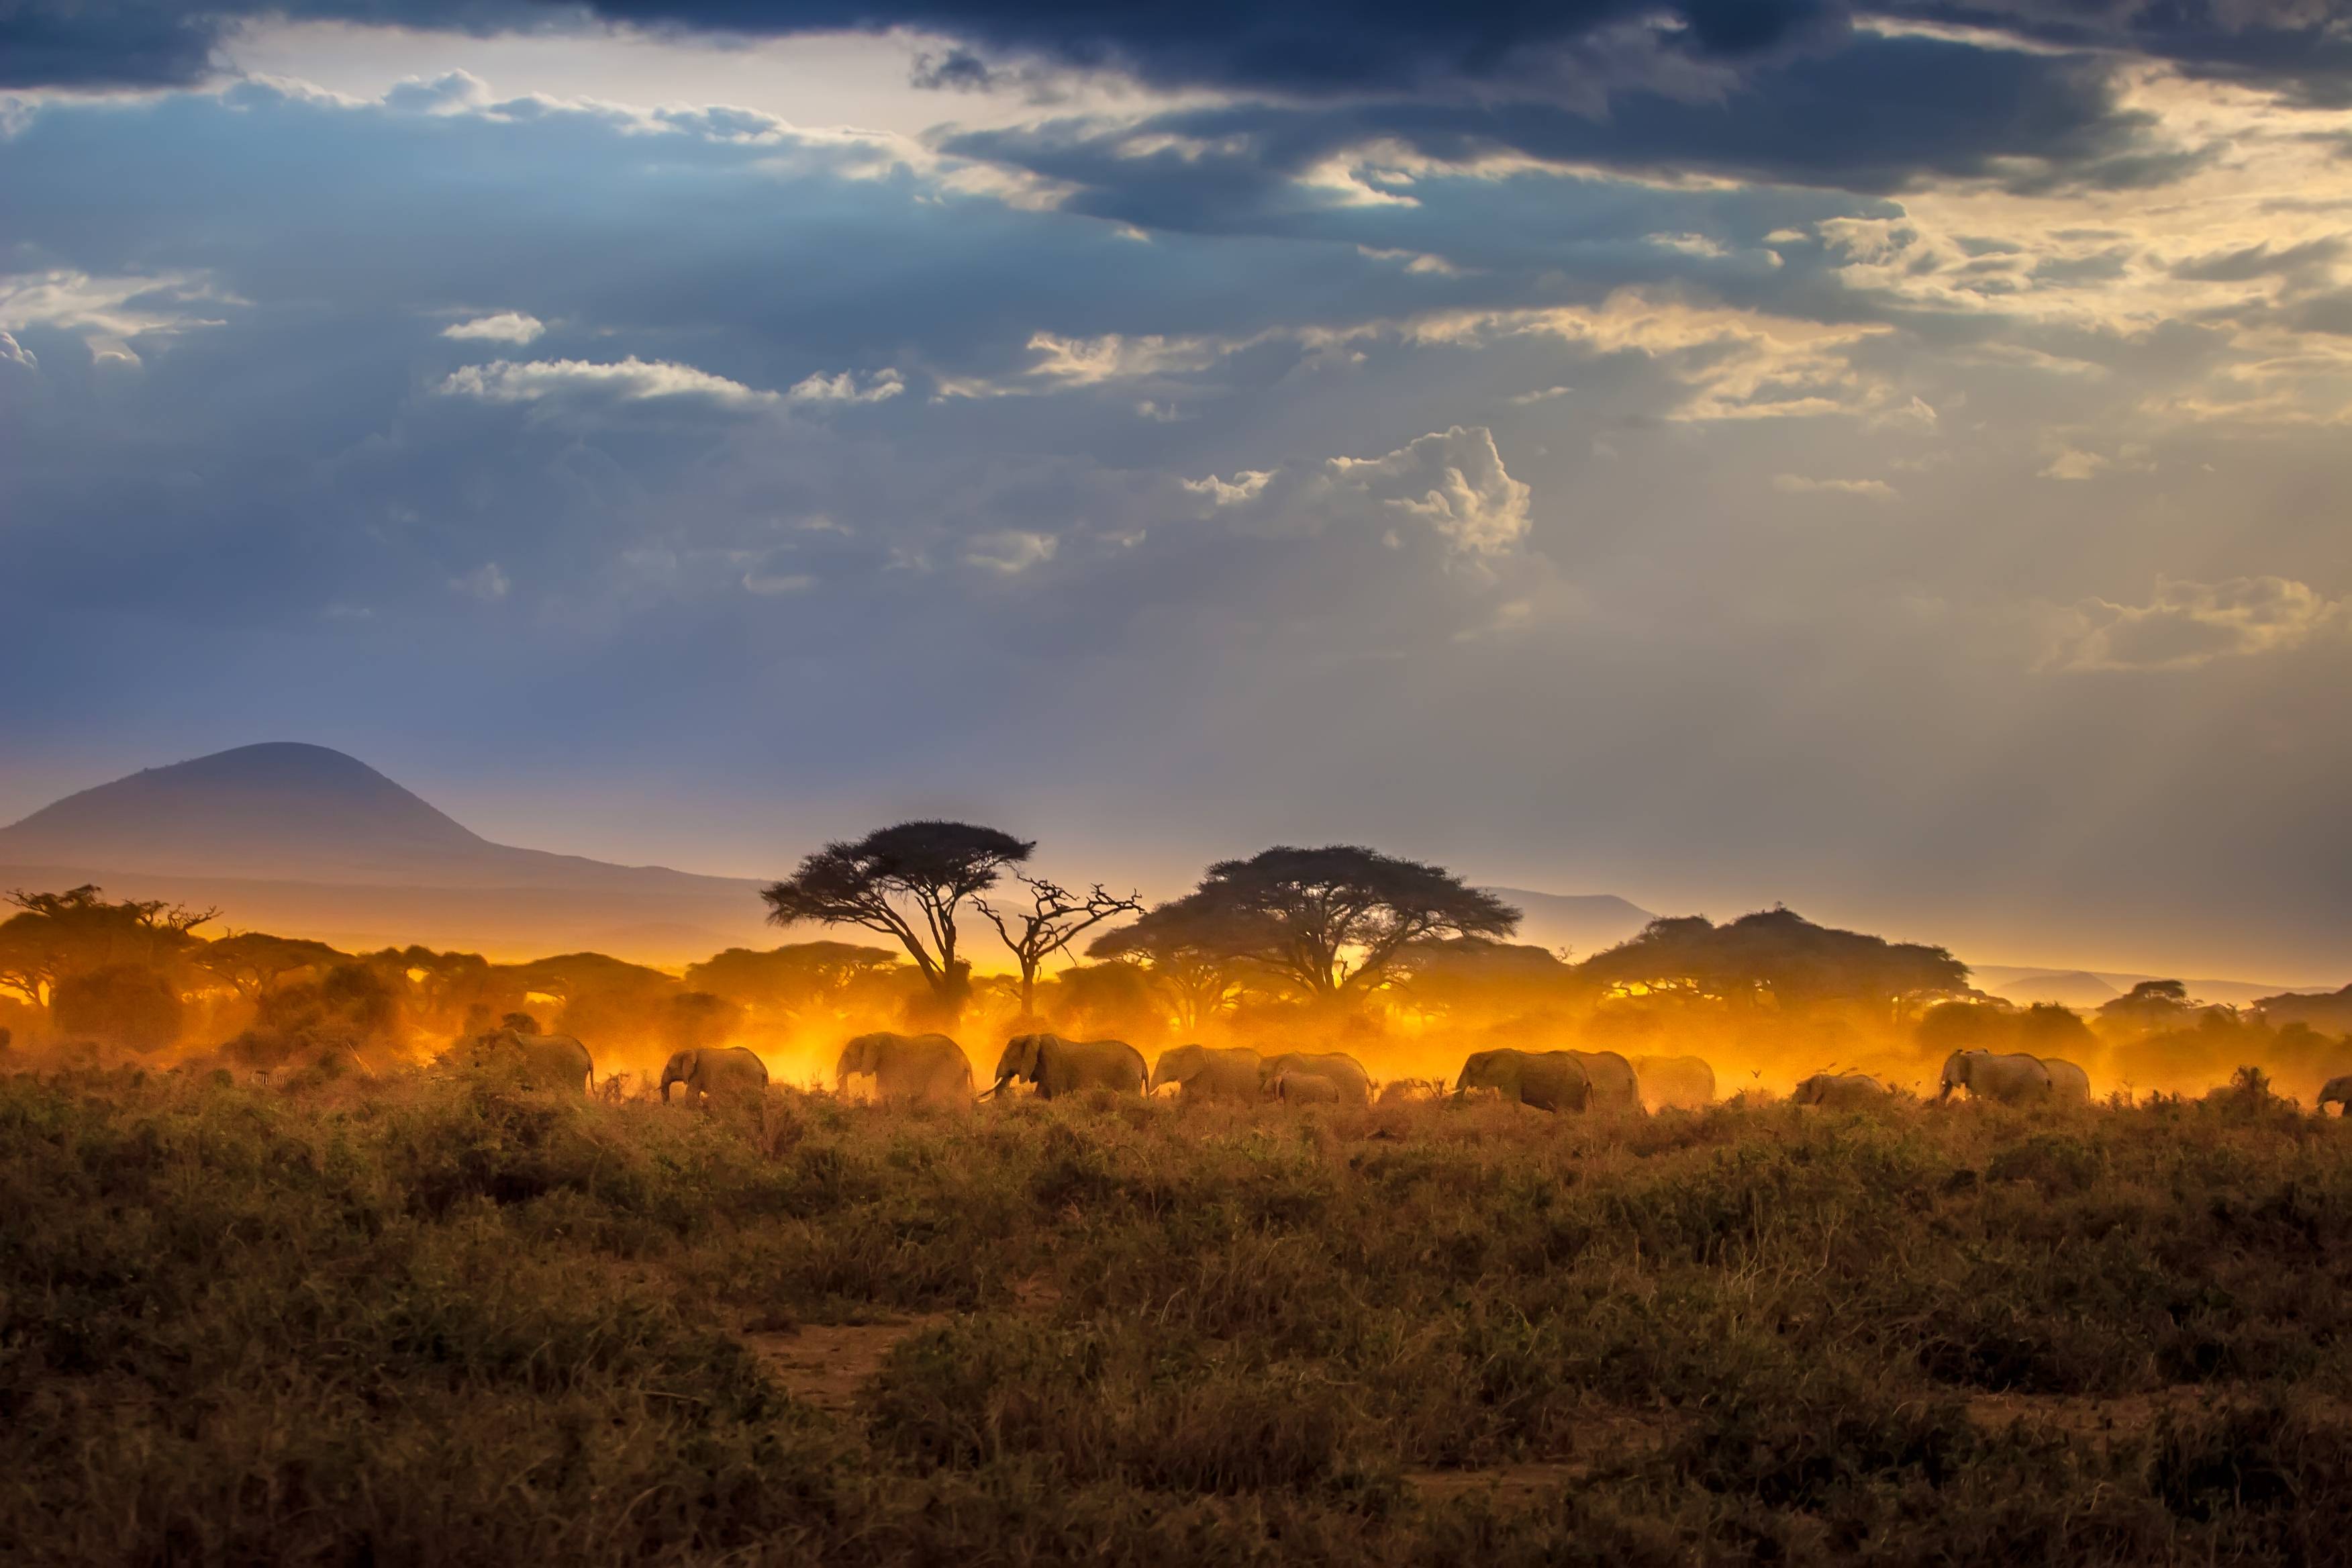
(933, 1068)
(2009, 1078)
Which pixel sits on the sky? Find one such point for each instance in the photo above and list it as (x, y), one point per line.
(1889, 458)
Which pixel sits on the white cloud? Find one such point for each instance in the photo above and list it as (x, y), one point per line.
(2073, 463)
(1247, 485)
(1799, 485)
(1010, 552)
(631, 380)
(109, 312)
(880, 386)
(14, 353)
(774, 584)
(1089, 362)
(1542, 395)
(1454, 481)
(487, 583)
(2187, 624)
(506, 327)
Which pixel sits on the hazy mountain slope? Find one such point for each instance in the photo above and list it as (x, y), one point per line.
(1586, 922)
(307, 841)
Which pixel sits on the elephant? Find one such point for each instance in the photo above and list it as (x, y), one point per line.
(1615, 1085)
(2067, 1081)
(1059, 1066)
(2336, 1091)
(1547, 1081)
(908, 1067)
(1988, 1075)
(1208, 1073)
(1678, 1083)
(1352, 1083)
(536, 1061)
(729, 1072)
(1842, 1092)
(1294, 1087)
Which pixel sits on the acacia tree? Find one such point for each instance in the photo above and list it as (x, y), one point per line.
(1776, 958)
(1056, 916)
(933, 866)
(1336, 922)
(253, 961)
(60, 935)
(1189, 951)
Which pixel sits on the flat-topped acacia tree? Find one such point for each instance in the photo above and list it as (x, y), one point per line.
(1332, 923)
(932, 866)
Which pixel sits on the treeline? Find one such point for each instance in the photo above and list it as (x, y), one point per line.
(1399, 962)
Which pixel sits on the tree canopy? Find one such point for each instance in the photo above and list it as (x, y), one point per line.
(55, 936)
(1329, 923)
(932, 866)
(1188, 953)
(1775, 957)
(252, 961)
(804, 978)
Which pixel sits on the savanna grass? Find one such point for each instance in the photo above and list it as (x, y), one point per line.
(436, 1321)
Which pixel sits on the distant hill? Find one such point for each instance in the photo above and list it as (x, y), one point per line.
(2077, 988)
(306, 841)
(1586, 922)
(2014, 982)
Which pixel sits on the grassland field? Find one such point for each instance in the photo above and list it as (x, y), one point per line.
(434, 1320)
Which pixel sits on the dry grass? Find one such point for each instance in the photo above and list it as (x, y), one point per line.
(423, 1320)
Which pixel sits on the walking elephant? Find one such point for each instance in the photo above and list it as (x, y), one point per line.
(2067, 1081)
(1842, 1092)
(1615, 1085)
(1675, 1083)
(1293, 1086)
(1351, 1085)
(929, 1068)
(1547, 1081)
(732, 1072)
(1059, 1066)
(1204, 1072)
(2013, 1080)
(535, 1061)
(2336, 1091)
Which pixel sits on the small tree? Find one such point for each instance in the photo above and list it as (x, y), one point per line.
(934, 865)
(1054, 918)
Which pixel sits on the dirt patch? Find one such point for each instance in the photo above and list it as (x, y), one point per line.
(826, 1365)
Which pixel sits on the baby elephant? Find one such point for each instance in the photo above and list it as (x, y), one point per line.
(729, 1072)
(1293, 1086)
(2336, 1091)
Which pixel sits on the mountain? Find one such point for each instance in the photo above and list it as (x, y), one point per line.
(1585, 922)
(2078, 988)
(306, 841)
(2087, 988)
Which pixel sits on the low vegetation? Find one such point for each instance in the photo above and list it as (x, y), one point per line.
(442, 1318)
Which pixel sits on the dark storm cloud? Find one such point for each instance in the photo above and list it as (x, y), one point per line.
(1880, 116)
(1289, 45)
(2295, 48)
